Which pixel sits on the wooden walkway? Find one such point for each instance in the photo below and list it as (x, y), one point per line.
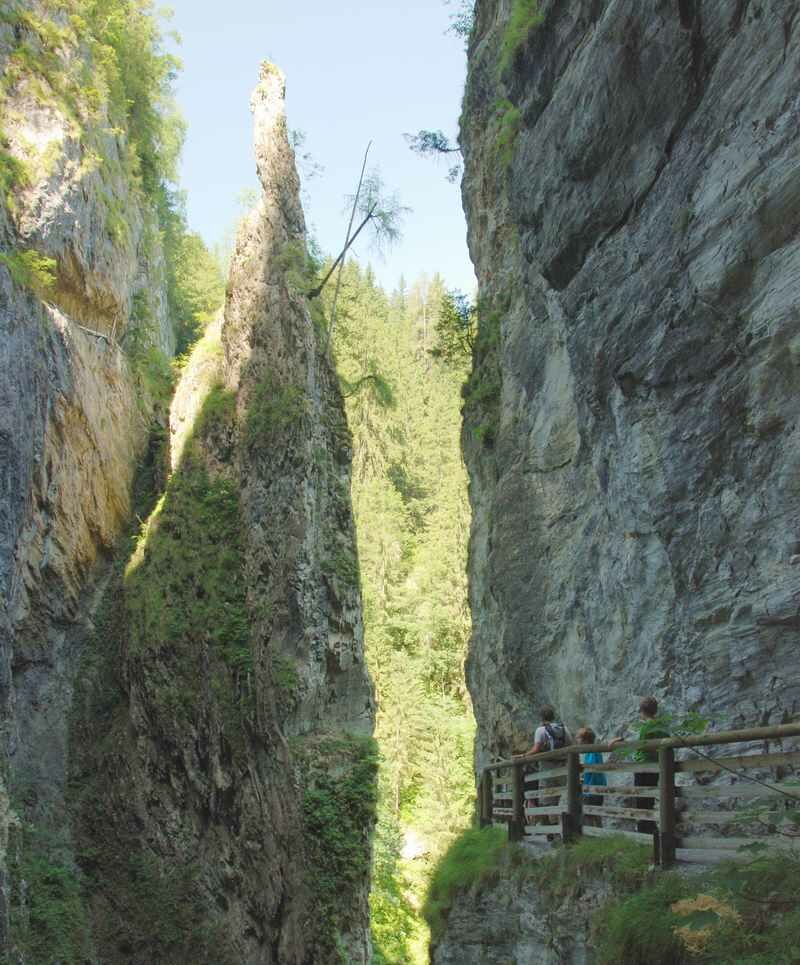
(704, 799)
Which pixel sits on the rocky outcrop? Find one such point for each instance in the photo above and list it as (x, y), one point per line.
(632, 430)
(509, 922)
(296, 450)
(203, 833)
(150, 677)
(74, 416)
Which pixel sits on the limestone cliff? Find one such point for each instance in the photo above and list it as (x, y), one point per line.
(75, 409)
(631, 426)
(203, 834)
(151, 807)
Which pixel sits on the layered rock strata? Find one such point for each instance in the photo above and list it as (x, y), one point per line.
(631, 429)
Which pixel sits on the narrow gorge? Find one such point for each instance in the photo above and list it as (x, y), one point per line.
(286, 562)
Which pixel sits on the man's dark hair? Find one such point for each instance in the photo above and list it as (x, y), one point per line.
(648, 706)
(547, 713)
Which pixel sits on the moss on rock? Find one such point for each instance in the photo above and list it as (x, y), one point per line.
(340, 794)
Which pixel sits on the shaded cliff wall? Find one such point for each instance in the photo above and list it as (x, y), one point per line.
(631, 426)
(74, 408)
(203, 833)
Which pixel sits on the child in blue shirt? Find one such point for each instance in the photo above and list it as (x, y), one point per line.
(591, 778)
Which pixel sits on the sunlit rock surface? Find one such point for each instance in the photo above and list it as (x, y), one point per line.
(296, 457)
(147, 754)
(196, 756)
(635, 495)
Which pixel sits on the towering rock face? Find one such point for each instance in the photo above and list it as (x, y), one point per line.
(74, 413)
(204, 834)
(632, 429)
(296, 450)
(152, 806)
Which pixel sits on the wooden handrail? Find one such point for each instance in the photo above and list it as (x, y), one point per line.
(659, 819)
(701, 740)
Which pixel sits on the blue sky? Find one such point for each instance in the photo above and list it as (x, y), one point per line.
(355, 71)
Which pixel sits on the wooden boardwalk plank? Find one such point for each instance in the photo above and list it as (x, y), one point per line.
(622, 790)
(638, 814)
(750, 760)
(728, 817)
(545, 775)
(551, 793)
(629, 766)
(744, 790)
(612, 833)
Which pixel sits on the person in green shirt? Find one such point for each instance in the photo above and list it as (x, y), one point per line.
(650, 728)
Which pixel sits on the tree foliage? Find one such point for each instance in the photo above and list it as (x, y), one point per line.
(412, 519)
(104, 65)
(435, 144)
(374, 207)
(462, 19)
(455, 330)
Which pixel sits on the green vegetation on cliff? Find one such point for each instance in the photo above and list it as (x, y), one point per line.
(48, 916)
(525, 17)
(30, 269)
(181, 584)
(174, 628)
(742, 912)
(339, 779)
(102, 65)
(472, 860)
(482, 391)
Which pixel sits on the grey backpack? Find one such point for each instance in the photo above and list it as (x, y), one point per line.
(556, 736)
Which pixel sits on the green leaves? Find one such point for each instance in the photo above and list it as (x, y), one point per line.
(30, 269)
(525, 17)
(456, 329)
(412, 518)
(339, 800)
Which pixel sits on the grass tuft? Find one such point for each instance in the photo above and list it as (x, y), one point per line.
(471, 860)
(525, 17)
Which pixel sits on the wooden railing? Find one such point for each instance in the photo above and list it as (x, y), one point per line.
(542, 796)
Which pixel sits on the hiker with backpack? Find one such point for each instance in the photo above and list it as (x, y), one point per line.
(550, 735)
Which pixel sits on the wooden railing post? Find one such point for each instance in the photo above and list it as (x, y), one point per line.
(516, 827)
(666, 819)
(574, 821)
(486, 798)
